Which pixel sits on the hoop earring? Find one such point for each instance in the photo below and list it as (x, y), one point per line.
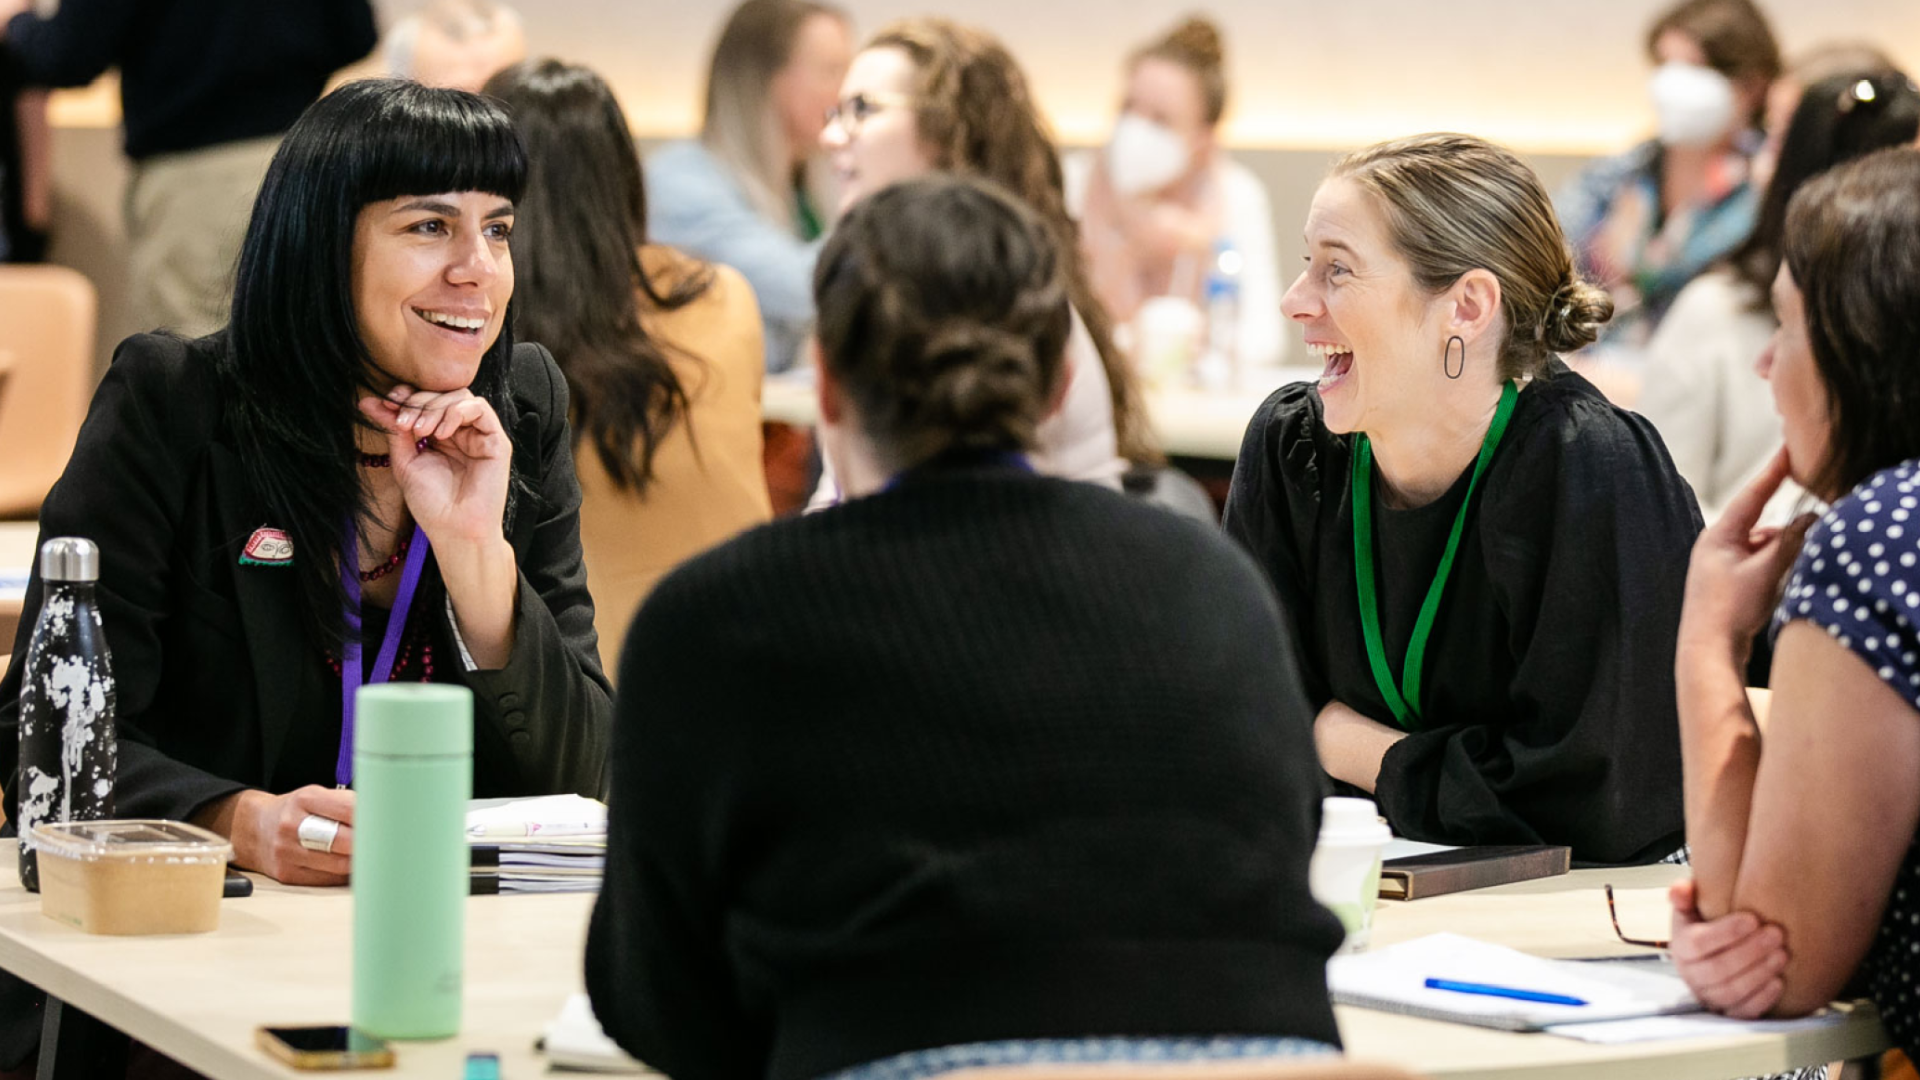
(1446, 358)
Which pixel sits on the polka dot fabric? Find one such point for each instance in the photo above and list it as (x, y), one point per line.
(1858, 578)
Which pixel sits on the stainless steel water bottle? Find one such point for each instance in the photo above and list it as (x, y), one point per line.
(67, 746)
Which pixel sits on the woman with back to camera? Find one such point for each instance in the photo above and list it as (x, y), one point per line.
(1844, 719)
(751, 192)
(915, 842)
(928, 95)
(1646, 222)
(662, 353)
(1164, 200)
(1481, 556)
(1702, 390)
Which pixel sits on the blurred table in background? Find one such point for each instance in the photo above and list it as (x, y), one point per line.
(1191, 423)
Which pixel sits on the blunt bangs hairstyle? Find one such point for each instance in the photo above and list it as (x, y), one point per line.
(1853, 248)
(295, 363)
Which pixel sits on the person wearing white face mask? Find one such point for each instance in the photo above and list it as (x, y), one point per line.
(1161, 198)
(1646, 222)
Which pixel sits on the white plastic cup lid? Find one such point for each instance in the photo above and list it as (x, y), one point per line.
(1352, 820)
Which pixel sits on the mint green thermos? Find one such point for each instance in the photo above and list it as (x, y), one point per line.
(412, 777)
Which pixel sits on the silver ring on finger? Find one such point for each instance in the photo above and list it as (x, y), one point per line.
(318, 833)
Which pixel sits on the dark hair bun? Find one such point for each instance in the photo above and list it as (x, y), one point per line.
(976, 383)
(943, 314)
(1199, 40)
(1574, 316)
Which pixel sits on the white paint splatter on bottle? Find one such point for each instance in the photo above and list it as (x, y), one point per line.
(67, 739)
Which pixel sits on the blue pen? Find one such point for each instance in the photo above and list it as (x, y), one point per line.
(1502, 992)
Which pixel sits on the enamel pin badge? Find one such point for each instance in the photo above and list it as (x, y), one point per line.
(268, 547)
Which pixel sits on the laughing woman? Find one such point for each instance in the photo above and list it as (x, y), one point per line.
(361, 466)
(1484, 559)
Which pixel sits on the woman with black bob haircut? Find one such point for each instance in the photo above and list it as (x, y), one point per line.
(919, 826)
(361, 478)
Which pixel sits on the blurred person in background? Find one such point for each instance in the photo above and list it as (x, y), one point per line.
(26, 169)
(1162, 202)
(752, 191)
(207, 87)
(930, 95)
(1646, 222)
(661, 352)
(1822, 61)
(456, 44)
(1702, 389)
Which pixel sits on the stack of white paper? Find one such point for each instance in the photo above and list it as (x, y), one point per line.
(553, 844)
(1394, 979)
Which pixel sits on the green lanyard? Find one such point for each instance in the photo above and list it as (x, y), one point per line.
(1404, 699)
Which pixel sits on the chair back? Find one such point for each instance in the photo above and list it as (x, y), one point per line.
(47, 324)
(1224, 1069)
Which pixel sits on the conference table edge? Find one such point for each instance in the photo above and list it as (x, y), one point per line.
(1859, 1036)
(182, 1043)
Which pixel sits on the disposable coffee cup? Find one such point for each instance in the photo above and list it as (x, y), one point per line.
(1167, 330)
(1344, 873)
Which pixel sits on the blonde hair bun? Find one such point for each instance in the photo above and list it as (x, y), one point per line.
(1574, 317)
(1199, 38)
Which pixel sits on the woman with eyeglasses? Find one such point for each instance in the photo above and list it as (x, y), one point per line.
(976, 804)
(1804, 820)
(928, 95)
(1482, 556)
(1701, 390)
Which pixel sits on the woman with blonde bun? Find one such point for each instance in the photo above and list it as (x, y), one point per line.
(1483, 558)
(1162, 202)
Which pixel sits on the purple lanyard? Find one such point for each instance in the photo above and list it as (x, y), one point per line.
(350, 674)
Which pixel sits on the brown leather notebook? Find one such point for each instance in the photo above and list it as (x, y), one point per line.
(1437, 873)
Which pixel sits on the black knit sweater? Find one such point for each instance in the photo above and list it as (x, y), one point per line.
(984, 756)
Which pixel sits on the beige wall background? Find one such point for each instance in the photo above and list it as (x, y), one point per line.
(1559, 80)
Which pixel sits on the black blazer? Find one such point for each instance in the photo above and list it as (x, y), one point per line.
(212, 666)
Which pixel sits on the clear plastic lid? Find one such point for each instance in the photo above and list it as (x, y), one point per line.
(133, 840)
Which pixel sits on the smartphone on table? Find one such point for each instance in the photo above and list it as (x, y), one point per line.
(325, 1047)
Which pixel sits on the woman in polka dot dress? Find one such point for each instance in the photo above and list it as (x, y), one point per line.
(1806, 873)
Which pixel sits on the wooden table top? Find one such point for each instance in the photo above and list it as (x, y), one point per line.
(282, 957)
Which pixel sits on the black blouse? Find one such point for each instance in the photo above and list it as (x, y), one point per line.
(1548, 703)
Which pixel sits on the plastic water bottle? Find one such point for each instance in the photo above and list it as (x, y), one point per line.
(412, 776)
(1220, 366)
(67, 746)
